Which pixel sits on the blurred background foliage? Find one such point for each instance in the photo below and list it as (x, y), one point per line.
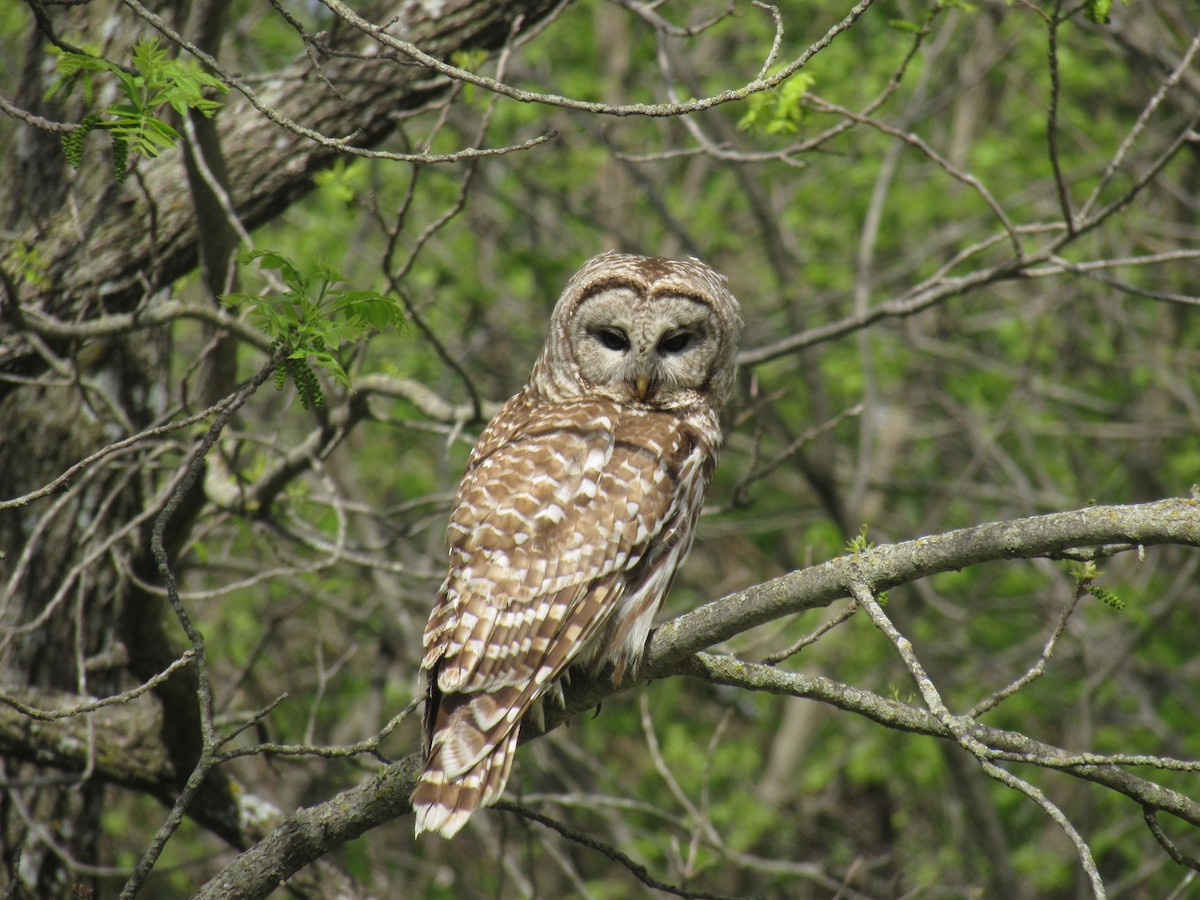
(1019, 397)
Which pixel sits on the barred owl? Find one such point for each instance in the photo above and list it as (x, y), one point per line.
(577, 508)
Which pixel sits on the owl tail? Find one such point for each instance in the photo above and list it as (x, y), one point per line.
(447, 794)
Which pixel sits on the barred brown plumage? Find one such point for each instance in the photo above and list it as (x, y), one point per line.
(577, 508)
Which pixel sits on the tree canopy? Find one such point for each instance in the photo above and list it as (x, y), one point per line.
(266, 271)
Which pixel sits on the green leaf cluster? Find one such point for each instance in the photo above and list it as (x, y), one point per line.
(859, 543)
(1099, 11)
(155, 80)
(311, 319)
(344, 181)
(1085, 574)
(779, 111)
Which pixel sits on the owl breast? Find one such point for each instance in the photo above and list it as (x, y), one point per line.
(585, 492)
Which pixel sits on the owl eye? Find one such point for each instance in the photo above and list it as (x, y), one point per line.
(613, 338)
(674, 342)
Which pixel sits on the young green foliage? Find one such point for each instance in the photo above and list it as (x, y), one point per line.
(1085, 574)
(859, 543)
(312, 319)
(777, 111)
(1099, 11)
(471, 61)
(344, 181)
(155, 80)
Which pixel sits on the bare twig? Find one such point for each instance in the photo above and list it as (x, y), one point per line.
(49, 715)
(342, 145)
(10, 108)
(960, 728)
(1173, 851)
(209, 740)
(1060, 181)
(1139, 127)
(1038, 668)
(655, 110)
(637, 870)
(825, 627)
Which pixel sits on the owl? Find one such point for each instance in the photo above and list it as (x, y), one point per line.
(577, 508)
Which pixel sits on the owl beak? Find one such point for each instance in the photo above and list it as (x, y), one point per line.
(642, 384)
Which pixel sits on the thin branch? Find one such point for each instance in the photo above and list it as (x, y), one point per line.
(43, 324)
(915, 301)
(208, 737)
(49, 715)
(368, 745)
(341, 145)
(395, 278)
(647, 11)
(844, 616)
(940, 288)
(960, 728)
(742, 488)
(659, 110)
(213, 183)
(87, 462)
(1139, 126)
(1183, 859)
(1092, 271)
(936, 158)
(1187, 135)
(1038, 668)
(36, 121)
(639, 871)
(773, 55)
(1060, 266)
(1060, 181)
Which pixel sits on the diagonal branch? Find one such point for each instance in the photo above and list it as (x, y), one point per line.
(657, 110)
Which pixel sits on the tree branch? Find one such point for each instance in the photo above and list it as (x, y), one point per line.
(673, 650)
(1173, 521)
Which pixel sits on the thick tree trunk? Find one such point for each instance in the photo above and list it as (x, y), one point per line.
(75, 617)
(109, 248)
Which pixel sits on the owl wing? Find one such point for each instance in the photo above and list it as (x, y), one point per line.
(569, 516)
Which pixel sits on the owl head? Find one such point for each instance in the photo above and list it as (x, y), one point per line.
(645, 331)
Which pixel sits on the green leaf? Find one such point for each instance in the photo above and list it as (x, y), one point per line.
(779, 111)
(313, 319)
(1099, 11)
(157, 81)
(344, 181)
(859, 543)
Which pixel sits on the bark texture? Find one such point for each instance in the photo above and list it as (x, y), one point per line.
(76, 616)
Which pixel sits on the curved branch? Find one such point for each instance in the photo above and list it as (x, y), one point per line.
(47, 326)
(654, 110)
(340, 144)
